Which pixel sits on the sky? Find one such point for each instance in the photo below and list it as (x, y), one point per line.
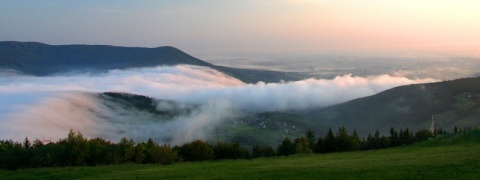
(251, 27)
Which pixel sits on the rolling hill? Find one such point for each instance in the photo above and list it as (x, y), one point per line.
(40, 59)
(247, 128)
(452, 103)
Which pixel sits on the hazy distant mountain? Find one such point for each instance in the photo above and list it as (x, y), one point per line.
(452, 103)
(41, 59)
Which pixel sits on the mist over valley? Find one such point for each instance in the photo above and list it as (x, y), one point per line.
(178, 98)
(288, 89)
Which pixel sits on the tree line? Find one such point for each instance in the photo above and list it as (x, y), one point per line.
(77, 150)
(342, 141)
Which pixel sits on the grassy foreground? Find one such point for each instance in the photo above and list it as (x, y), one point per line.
(431, 159)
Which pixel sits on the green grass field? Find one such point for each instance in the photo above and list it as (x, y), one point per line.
(446, 159)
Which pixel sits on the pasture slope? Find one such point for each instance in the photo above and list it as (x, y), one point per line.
(449, 158)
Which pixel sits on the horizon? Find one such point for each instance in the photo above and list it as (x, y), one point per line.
(253, 28)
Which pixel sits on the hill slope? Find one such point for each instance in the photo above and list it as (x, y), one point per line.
(452, 103)
(247, 128)
(42, 59)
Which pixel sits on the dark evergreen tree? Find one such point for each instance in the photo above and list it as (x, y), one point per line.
(406, 137)
(356, 142)
(319, 146)
(369, 142)
(310, 135)
(377, 141)
(343, 141)
(26, 143)
(329, 142)
(286, 148)
(394, 141)
(384, 142)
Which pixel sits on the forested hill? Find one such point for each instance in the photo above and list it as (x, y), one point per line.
(452, 103)
(42, 59)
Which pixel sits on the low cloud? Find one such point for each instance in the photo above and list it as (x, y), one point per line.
(48, 107)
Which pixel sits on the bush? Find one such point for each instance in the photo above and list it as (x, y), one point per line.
(197, 150)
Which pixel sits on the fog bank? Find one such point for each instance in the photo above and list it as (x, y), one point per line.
(48, 107)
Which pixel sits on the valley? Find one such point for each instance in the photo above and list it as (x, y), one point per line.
(254, 107)
(290, 89)
(452, 103)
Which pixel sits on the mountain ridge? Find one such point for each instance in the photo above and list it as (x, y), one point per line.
(41, 59)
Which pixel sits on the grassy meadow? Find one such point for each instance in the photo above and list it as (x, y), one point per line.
(457, 158)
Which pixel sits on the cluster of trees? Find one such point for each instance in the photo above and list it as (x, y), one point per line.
(342, 141)
(76, 150)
